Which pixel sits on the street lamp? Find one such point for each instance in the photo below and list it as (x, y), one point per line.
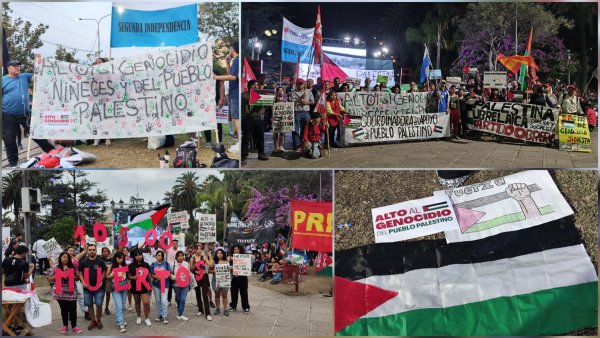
(120, 10)
(568, 67)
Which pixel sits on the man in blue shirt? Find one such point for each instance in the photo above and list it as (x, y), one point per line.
(234, 89)
(444, 97)
(15, 106)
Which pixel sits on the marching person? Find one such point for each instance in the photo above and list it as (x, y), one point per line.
(160, 296)
(119, 297)
(180, 292)
(238, 284)
(91, 298)
(67, 300)
(220, 291)
(140, 294)
(15, 108)
(200, 262)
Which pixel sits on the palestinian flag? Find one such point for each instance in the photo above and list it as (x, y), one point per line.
(438, 129)
(149, 219)
(536, 281)
(436, 206)
(358, 132)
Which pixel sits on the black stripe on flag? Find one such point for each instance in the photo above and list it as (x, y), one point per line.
(401, 257)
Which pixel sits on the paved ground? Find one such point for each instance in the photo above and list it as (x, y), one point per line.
(466, 153)
(272, 313)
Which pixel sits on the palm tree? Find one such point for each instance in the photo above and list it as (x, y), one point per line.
(13, 182)
(184, 192)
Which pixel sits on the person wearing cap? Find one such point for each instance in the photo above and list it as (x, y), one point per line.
(302, 99)
(570, 103)
(15, 107)
(253, 124)
(551, 98)
(443, 98)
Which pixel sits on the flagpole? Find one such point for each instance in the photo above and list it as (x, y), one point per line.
(280, 70)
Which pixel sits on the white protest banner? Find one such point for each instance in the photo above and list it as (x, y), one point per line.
(222, 275)
(412, 219)
(453, 80)
(53, 249)
(283, 117)
(223, 115)
(496, 80)
(525, 122)
(384, 117)
(242, 265)
(38, 314)
(178, 220)
(207, 228)
(508, 203)
(315, 72)
(5, 238)
(162, 93)
(354, 81)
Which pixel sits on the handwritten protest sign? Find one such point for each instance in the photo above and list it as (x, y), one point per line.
(207, 228)
(496, 80)
(574, 133)
(526, 122)
(167, 92)
(384, 117)
(53, 249)
(178, 220)
(382, 78)
(504, 204)
(242, 265)
(283, 117)
(412, 219)
(222, 275)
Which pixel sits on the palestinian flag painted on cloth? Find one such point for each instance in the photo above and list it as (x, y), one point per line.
(149, 219)
(536, 281)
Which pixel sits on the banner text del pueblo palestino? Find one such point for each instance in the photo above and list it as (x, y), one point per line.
(526, 122)
(413, 219)
(167, 92)
(383, 117)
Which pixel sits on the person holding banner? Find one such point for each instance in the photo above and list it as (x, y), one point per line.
(220, 291)
(181, 292)
(78, 285)
(160, 296)
(140, 269)
(200, 262)
(238, 284)
(279, 137)
(232, 66)
(302, 99)
(67, 299)
(118, 261)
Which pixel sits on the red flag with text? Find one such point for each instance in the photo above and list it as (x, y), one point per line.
(312, 225)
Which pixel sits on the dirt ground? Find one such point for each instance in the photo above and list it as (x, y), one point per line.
(355, 197)
(310, 284)
(133, 153)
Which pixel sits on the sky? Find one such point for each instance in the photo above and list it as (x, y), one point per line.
(66, 30)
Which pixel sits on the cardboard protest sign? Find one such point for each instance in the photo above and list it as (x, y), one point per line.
(526, 122)
(178, 220)
(262, 97)
(312, 225)
(574, 133)
(207, 228)
(496, 80)
(412, 219)
(283, 117)
(323, 260)
(435, 74)
(509, 203)
(5, 238)
(354, 81)
(223, 115)
(53, 249)
(384, 117)
(381, 78)
(453, 80)
(162, 93)
(242, 265)
(222, 275)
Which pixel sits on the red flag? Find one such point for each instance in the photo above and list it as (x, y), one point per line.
(513, 63)
(312, 225)
(247, 76)
(318, 37)
(329, 70)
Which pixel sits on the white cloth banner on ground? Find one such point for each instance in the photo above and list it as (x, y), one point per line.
(412, 219)
(508, 203)
(38, 314)
(384, 117)
(242, 265)
(283, 117)
(167, 92)
(222, 275)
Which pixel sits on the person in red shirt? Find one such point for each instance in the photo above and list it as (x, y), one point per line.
(334, 116)
(592, 116)
(311, 136)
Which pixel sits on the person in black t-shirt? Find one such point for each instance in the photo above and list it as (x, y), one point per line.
(108, 283)
(141, 295)
(16, 269)
(93, 262)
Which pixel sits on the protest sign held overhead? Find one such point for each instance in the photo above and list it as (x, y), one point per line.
(508, 203)
(312, 225)
(178, 220)
(413, 219)
(153, 24)
(166, 92)
(495, 80)
(207, 228)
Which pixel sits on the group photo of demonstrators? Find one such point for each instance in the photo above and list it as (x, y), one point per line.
(196, 252)
(99, 91)
(321, 92)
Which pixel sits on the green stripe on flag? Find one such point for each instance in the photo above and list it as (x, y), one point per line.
(546, 312)
(516, 217)
(145, 224)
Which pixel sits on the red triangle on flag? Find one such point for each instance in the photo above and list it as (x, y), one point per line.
(467, 218)
(346, 120)
(354, 300)
(254, 96)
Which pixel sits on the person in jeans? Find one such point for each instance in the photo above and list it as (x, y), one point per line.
(302, 99)
(15, 107)
(120, 297)
(181, 292)
(200, 262)
(67, 300)
(161, 297)
(93, 297)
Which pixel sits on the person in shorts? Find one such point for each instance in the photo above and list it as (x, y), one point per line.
(220, 291)
(96, 266)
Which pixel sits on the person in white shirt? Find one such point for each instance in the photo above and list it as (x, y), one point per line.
(302, 99)
(42, 255)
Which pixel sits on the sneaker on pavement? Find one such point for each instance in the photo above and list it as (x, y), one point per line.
(138, 321)
(231, 309)
(76, 330)
(246, 310)
(226, 313)
(165, 320)
(263, 156)
(212, 304)
(130, 308)
(209, 318)
(148, 322)
(92, 325)
(122, 328)
(125, 323)
(182, 317)
(199, 314)
(157, 319)
(64, 329)
(217, 312)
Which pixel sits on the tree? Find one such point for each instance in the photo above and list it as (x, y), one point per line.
(489, 29)
(62, 54)
(12, 183)
(184, 194)
(62, 230)
(219, 21)
(22, 38)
